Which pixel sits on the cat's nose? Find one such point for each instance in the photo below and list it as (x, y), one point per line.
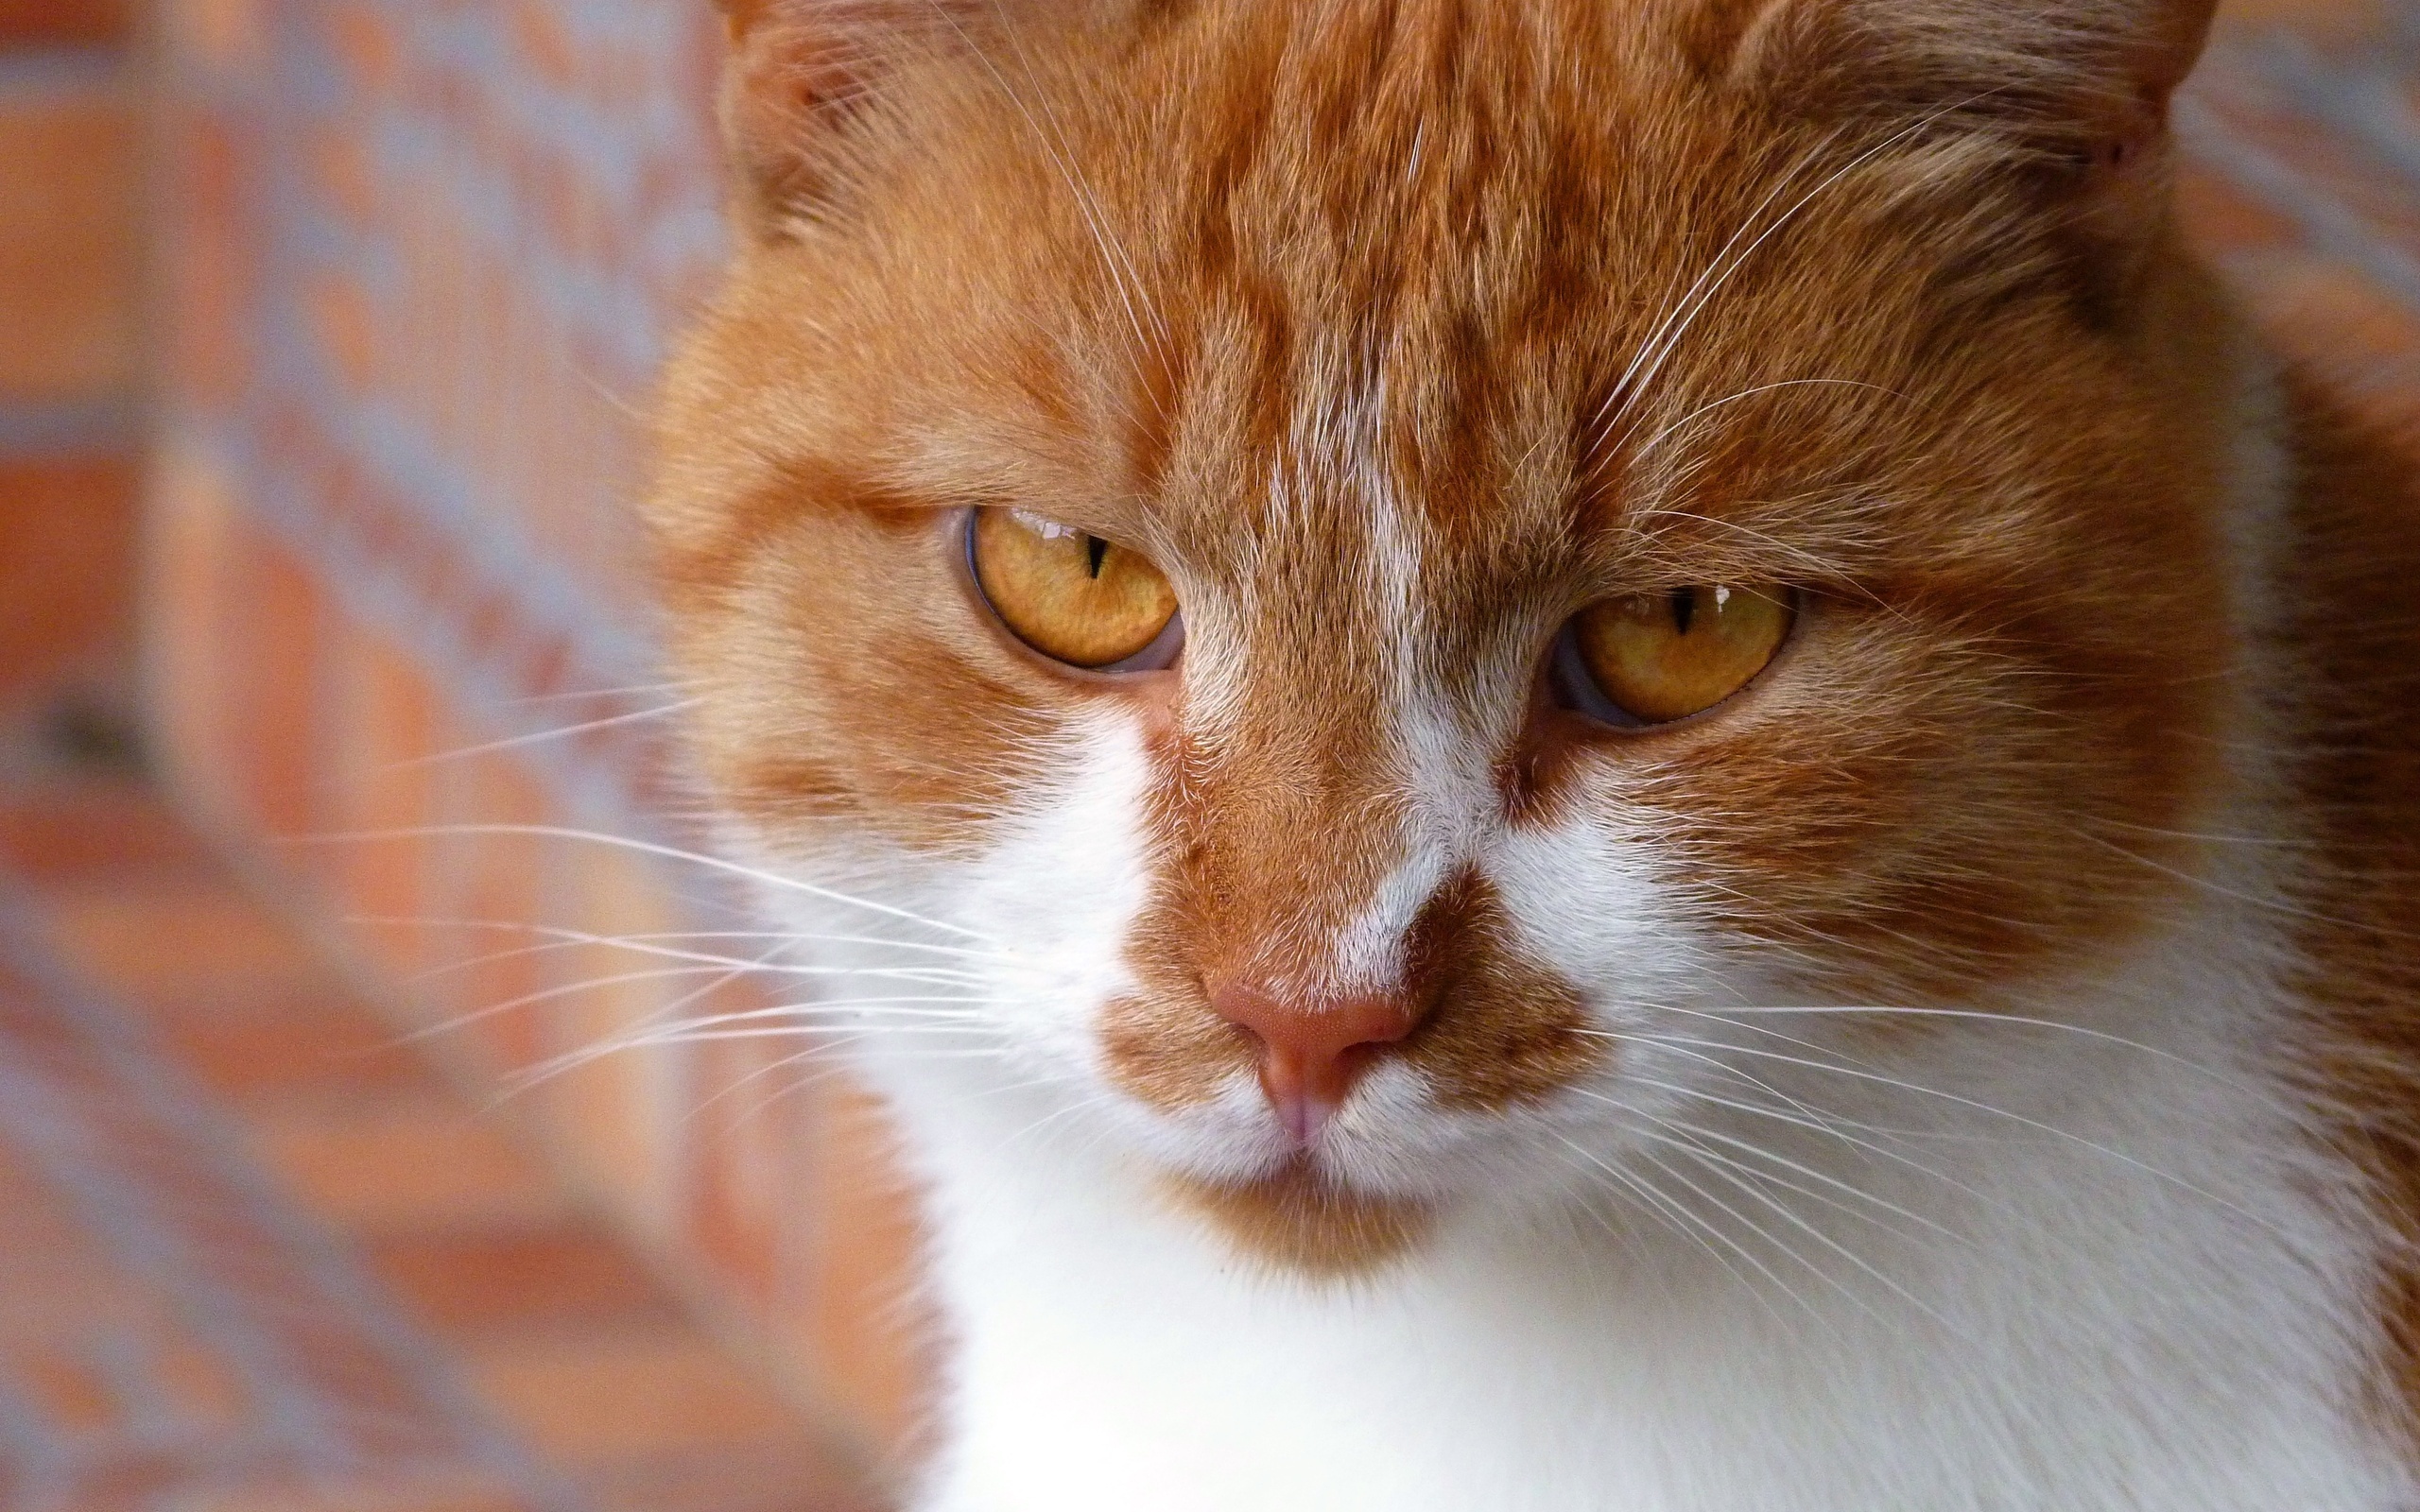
(1312, 1052)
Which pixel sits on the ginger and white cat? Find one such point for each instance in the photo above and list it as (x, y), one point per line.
(1582, 753)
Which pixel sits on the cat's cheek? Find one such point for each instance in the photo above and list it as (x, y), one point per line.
(1599, 900)
(1588, 898)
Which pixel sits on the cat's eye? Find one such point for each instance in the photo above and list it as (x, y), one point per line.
(1649, 659)
(1074, 597)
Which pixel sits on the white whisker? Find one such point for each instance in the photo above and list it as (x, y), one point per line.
(540, 737)
(562, 937)
(1749, 1255)
(1799, 1222)
(647, 848)
(1985, 1016)
(1711, 406)
(2054, 1130)
(1679, 1219)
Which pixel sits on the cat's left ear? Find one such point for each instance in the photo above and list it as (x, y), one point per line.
(2076, 92)
(801, 73)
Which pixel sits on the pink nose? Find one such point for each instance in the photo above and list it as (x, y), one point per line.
(1312, 1053)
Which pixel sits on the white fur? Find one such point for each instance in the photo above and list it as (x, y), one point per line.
(2010, 1266)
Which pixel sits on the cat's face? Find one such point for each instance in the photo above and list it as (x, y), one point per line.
(1379, 570)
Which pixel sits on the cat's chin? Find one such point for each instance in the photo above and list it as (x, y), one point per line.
(1299, 1220)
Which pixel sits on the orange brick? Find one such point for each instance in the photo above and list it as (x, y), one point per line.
(67, 576)
(274, 632)
(343, 173)
(545, 47)
(69, 1391)
(366, 41)
(37, 1221)
(133, 1479)
(90, 832)
(489, 1282)
(227, 34)
(2221, 218)
(2329, 314)
(57, 1296)
(209, 229)
(204, 1393)
(83, 22)
(745, 1162)
(55, 1281)
(178, 942)
(420, 1163)
(191, 558)
(384, 723)
(626, 1397)
(341, 316)
(786, 1478)
(309, 1047)
(68, 243)
(467, 1491)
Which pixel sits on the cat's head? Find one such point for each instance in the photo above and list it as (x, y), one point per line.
(1365, 573)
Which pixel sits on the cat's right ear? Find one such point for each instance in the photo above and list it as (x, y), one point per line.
(797, 75)
(2068, 98)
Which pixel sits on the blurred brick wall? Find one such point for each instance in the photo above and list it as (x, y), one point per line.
(421, 256)
(69, 317)
(2303, 182)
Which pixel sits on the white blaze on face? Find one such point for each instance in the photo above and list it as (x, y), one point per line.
(1428, 750)
(1370, 954)
(1583, 896)
(1061, 887)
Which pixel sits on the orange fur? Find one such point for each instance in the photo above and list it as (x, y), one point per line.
(1115, 263)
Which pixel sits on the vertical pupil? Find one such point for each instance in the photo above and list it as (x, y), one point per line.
(1684, 608)
(1095, 549)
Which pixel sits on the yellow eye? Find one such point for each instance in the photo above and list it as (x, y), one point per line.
(1655, 658)
(1074, 597)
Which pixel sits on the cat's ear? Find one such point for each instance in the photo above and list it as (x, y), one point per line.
(2074, 93)
(2077, 68)
(798, 71)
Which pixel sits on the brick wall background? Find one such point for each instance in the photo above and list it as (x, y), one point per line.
(417, 261)
(69, 234)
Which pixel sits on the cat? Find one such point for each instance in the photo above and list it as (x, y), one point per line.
(1568, 753)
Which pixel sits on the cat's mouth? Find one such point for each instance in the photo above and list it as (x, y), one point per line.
(1300, 1219)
